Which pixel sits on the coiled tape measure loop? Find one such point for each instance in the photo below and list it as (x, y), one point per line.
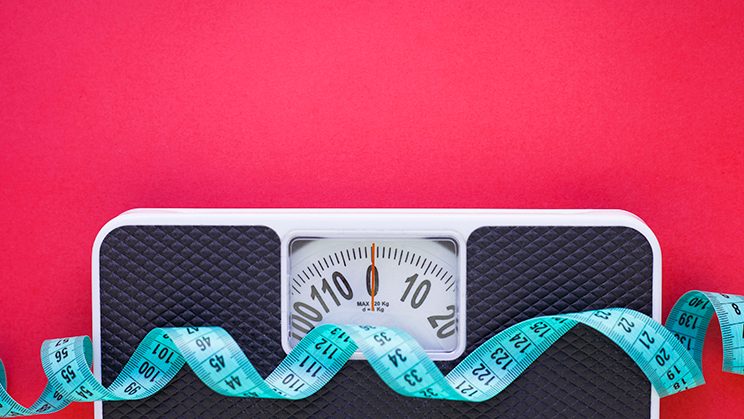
(671, 357)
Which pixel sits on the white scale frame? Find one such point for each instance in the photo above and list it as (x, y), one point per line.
(457, 224)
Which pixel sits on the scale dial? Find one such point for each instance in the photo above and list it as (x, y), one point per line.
(411, 284)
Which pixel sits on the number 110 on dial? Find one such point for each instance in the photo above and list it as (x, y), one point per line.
(411, 284)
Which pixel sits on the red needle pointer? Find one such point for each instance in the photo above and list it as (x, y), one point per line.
(372, 278)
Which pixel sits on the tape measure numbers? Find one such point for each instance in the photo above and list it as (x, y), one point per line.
(671, 357)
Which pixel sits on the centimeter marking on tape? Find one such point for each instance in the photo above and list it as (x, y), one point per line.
(671, 357)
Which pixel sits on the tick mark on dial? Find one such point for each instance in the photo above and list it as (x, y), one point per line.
(427, 268)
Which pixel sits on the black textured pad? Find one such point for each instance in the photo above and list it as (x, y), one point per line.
(230, 276)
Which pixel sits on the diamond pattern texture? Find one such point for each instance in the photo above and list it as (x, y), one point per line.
(230, 276)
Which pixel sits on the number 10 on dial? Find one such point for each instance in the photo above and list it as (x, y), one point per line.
(413, 284)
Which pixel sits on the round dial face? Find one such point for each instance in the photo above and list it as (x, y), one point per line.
(411, 284)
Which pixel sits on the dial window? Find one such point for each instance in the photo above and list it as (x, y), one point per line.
(411, 283)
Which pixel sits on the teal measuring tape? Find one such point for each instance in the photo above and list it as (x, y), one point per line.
(671, 357)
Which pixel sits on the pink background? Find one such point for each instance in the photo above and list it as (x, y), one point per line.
(109, 106)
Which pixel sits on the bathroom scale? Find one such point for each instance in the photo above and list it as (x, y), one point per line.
(451, 278)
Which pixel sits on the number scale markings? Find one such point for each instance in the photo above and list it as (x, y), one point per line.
(413, 295)
(671, 357)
